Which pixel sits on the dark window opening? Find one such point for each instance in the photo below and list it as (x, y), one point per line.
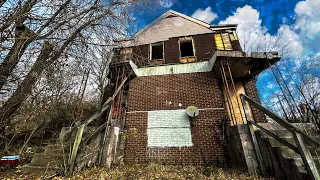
(157, 51)
(116, 54)
(186, 49)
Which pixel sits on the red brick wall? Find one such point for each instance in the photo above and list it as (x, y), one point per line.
(155, 93)
(251, 91)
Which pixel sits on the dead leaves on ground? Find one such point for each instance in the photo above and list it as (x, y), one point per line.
(150, 171)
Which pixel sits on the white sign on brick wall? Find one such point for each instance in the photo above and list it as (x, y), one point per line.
(168, 128)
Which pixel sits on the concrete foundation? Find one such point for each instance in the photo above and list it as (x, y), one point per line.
(242, 150)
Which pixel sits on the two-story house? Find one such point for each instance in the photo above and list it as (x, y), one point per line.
(175, 62)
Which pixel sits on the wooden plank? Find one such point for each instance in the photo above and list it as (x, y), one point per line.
(75, 148)
(306, 156)
(226, 41)
(280, 121)
(96, 115)
(219, 41)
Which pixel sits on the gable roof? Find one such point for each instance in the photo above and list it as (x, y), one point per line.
(173, 13)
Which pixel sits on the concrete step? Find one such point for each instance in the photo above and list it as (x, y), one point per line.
(48, 159)
(285, 137)
(299, 162)
(310, 127)
(57, 149)
(280, 133)
(42, 170)
(289, 153)
(276, 143)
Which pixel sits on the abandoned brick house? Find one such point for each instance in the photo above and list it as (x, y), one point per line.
(178, 61)
(175, 86)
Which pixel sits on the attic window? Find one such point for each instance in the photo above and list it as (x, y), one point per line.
(186, 50)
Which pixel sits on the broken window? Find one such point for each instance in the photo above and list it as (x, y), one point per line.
(125, 54)
(186, 50)
(223, 40)
(156, 53)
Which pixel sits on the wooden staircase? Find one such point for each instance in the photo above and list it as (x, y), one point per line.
(280, 160)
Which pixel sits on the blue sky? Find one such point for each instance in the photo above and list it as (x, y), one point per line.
(272, 12)
(291, 27)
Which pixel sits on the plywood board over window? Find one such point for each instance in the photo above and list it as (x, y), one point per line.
(227, 41)
(187, 51)
(219, 41)
(168, 128)
(157, 53)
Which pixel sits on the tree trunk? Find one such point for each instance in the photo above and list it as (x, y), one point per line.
(24, 89)
(24, 37)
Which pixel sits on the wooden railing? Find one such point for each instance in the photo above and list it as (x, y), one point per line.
(302, 140)
(82, 125)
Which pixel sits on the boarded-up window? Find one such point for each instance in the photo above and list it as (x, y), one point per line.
(168, 128)
(227, 41)
(125, 54)
(219, 41)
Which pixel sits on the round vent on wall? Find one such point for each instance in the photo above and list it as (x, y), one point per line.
(192, 111)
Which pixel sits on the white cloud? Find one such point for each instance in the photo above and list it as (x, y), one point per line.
(308, 23)
(254, 36)
(205, 15)
(166, 3)
(270, 85)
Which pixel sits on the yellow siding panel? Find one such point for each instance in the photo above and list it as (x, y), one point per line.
(226, 41)
(219, 41)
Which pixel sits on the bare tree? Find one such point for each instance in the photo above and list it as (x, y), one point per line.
(62, 30)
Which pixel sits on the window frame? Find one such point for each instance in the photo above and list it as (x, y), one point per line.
(235, 38)
(150, 52)
(187, 39)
